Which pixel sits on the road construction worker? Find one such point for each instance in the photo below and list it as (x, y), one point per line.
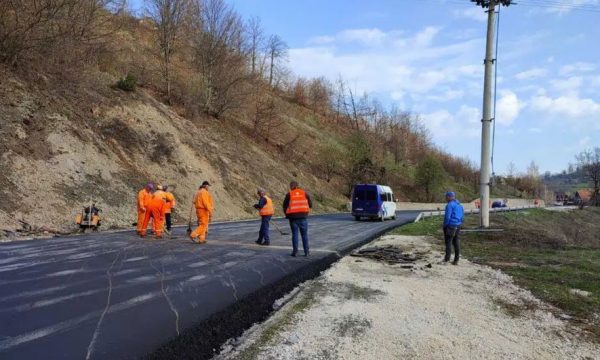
(266, 211)
(162, 195)
(143, 197)
(453, 219)
(155, 210)
(169, 208)
(296, 206)
(204, 207)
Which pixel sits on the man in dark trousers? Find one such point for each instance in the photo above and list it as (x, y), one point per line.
(453, 219)
(296, 206)
(265, 210)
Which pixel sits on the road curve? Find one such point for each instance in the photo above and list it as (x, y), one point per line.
(114, 295)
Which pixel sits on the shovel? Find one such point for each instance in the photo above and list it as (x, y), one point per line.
(189, 228)
(280, 231)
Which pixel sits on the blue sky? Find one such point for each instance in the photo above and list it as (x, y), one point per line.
(426, 56)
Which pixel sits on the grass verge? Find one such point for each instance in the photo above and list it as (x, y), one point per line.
(555, 255)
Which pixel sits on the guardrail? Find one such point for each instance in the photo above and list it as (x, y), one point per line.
(426, 214)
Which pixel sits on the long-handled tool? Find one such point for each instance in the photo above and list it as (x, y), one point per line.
(280, 231)
(189, 228)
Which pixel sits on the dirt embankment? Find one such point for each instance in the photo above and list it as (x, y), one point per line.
(63, 146)
(365, 309)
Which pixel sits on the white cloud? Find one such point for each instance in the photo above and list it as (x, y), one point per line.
(442, 124)
(577, 67)
(321, 40)
(425, 37)
(567, 106)
(364, 36)
(531, 74)
(566, 6)
(473, 13)
(448, 95)
(393, 62)
(535, 130)
(507, 108)
(569, 85)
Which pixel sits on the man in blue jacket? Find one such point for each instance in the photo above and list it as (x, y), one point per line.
(453, 219)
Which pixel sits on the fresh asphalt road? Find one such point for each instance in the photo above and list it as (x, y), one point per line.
(114, 295)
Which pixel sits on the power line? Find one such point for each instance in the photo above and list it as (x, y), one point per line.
(549, 5)
(495, 87)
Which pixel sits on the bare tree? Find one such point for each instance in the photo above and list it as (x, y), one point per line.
(218, 57)
(276, 50)
(511, 169)
(169, 16)
(46, 27)
(256, 38)
(589, 162)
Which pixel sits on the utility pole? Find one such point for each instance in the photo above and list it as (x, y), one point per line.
(486, 121)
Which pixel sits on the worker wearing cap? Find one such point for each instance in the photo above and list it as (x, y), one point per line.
(170, 199)
(204, 207)
(266, 211)
(453, 219)
(155, 209)
(143, 197)
(296, 206)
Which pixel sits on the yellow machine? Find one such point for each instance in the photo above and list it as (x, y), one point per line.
(89, 218)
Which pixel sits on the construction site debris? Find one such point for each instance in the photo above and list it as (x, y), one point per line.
(392, 255)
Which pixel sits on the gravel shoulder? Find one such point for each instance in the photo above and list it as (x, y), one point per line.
(363, 309)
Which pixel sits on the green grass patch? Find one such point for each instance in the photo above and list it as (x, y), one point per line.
(549, 253)
(431, 226)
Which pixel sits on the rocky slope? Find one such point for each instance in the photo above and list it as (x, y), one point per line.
(65, 144)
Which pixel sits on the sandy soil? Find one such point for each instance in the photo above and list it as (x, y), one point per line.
(364, 309)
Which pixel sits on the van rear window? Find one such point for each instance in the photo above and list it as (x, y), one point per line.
(371, 195)
(359, 195)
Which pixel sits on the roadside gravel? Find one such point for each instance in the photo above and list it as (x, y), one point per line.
(365, 309)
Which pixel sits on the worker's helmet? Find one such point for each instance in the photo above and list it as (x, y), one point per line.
(159, 187)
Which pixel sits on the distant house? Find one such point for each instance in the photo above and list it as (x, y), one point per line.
(560, 196)
(583, 195)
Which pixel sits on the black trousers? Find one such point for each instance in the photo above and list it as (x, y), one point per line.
(451, 238)
(168, 220)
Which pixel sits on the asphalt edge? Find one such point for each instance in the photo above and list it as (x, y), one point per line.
(204, 340)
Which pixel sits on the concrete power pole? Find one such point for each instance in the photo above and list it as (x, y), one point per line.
(486, 121)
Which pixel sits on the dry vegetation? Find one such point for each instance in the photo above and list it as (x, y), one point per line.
(213, 99)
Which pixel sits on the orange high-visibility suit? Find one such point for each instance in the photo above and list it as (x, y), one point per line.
(170, 201)
(204, 206)
(155, 209)
(163, 196)
(142, 199)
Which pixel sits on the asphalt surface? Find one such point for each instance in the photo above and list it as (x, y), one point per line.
(114, 295)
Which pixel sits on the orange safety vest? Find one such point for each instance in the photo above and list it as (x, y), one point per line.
(298, 202)
(268, 208)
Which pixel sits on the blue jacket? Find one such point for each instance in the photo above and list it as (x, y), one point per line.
(454, 214)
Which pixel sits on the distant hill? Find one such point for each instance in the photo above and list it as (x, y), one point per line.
(565, 182)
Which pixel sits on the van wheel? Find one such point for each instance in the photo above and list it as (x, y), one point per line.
(357, 218)
(394, 217)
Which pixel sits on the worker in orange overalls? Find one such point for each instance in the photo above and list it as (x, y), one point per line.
(143, 197)
(155, 210)
(162, 195)
(170, 206)
(204, 207)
